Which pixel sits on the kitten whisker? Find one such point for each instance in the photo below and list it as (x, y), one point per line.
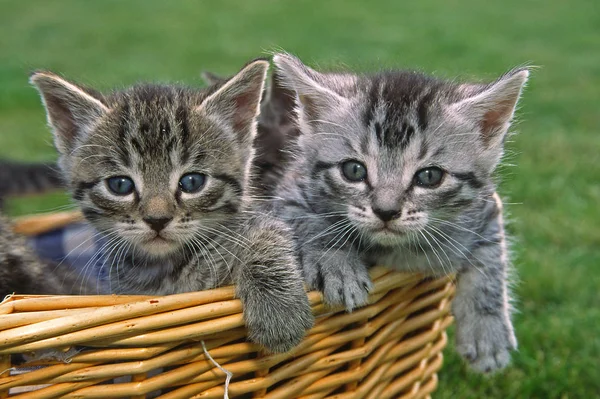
(207, 256)
(460, 227)
(211, 241)
(109, 257)
(346, 230)
(83, 273)
(423, 232)
(326, 122)
(437, 242)
(237, 242)
(425, 253)
(334, 226)
(449, 239)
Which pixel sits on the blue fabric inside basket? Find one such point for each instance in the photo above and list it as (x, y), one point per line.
(77, 246)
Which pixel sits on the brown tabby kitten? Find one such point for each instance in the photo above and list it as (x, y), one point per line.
(162, 173)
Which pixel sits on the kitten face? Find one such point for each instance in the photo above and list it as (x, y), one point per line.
(159, 167)
(156, 172)
(398, 154)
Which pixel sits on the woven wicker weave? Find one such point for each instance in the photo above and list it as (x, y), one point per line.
(141, 347)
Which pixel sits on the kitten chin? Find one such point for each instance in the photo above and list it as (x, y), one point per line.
(388, 238)
(159, 247)
(390, 234)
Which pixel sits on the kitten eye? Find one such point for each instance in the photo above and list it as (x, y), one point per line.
(120, 185)
(192, 182)
(354, 171)
(429, 177)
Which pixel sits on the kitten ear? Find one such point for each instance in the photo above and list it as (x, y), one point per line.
(237, 102)
(212, 78)
(492, 106)
(312, 94)
(71, 110)
(281, 98)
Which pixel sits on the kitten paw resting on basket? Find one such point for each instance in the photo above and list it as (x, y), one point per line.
(163, 175)
(395, 168)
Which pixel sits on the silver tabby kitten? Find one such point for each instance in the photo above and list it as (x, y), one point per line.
(162, 173)
(396, 169)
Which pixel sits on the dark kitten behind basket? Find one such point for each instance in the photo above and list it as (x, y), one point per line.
(277, 130)
(396, 169)
(27, 178)
(162, 173)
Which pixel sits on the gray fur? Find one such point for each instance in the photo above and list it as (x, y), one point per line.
(277, 131)
(23, 273)
(154, 135)
(395, 124)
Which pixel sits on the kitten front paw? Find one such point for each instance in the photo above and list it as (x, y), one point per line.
(343, 279)
(349, 288)
(485, 343)
(279, 323)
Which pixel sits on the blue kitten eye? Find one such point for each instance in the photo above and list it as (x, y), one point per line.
(192, 182)
(354, 171)
(120, 185)
(429, 177)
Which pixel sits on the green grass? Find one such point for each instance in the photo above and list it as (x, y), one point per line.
(555, 185)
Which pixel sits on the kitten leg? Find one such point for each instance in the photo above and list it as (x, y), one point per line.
(339, 273)
(329, 262)
(484, 332)
(269, 284)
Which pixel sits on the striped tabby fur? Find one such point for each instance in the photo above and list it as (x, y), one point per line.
(360, 190)
(276, 131)
(23, 273)
(161, 239)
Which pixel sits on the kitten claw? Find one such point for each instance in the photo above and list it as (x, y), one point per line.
(349, 289)
(342, 277)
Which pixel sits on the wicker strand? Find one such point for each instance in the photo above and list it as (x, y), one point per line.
(389, 349)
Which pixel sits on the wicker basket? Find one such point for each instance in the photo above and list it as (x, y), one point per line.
(180, 346)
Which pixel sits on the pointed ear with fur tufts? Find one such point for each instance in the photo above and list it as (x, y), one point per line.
(491, 107)
(71, 110)
(212, 78)
(313, 95)
(237, 102)
(280, 98)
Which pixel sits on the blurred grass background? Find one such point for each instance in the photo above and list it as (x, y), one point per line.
(553, 189)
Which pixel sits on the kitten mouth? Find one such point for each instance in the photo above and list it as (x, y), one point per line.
(157, 240)
(388, 237)
(160, 240)
(159, 246)
(388, 232)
